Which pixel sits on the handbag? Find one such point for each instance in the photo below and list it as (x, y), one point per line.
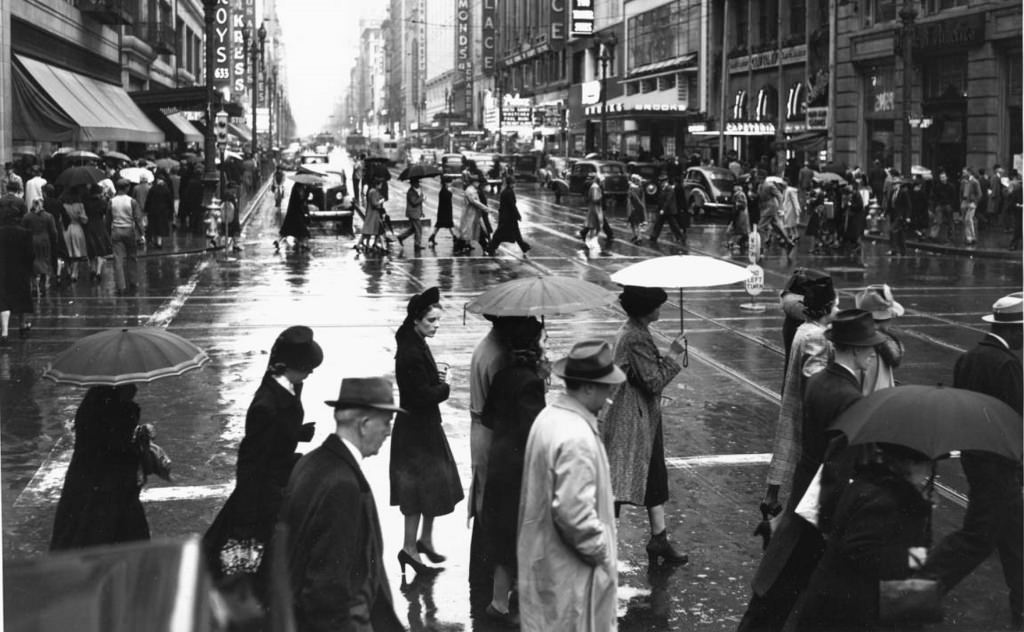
(241, 556)
(909, 600)
(155, 461)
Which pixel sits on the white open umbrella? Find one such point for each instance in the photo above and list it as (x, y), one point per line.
(679, 272)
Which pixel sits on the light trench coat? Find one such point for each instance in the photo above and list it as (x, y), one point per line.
(567, 543)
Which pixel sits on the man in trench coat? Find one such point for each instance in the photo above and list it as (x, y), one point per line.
(566, 547)
(334, 544)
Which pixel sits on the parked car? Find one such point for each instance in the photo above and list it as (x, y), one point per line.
(524, 166)
(648, 172)
(611, 174)
(709, 189)
(452, 166)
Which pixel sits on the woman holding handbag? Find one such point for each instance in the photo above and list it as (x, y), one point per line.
(236, 543)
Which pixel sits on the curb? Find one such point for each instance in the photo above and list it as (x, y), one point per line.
(250, 210)
(981, 253)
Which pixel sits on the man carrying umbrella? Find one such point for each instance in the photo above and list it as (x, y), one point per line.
(994, 513)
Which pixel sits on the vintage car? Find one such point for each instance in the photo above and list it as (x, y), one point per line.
(648, 172)
(452, 166)
(709, 189)
(524, 166)
(611, 174)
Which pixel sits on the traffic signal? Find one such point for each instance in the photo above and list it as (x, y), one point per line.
(220, 127)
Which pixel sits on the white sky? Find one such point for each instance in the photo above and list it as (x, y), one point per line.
(321, 40)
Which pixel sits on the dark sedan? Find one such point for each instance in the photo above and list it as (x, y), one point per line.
(611, 175)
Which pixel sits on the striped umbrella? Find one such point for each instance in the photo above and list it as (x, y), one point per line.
(124, 356)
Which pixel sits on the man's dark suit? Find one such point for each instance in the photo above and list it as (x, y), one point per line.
(994, 510)
(796, 545)
(334, 545)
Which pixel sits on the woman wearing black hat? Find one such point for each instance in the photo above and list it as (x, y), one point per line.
(424, 479)
(236, 541)
(632, 428)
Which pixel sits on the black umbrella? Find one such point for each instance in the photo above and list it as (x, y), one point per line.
(419, 171)
(78, 176)
(376, 169)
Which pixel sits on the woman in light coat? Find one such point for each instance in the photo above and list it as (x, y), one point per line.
(632, 428)
(878, 300)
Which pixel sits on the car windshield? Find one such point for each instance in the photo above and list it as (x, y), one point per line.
(611, 170)
(650, 172)
(451, 161)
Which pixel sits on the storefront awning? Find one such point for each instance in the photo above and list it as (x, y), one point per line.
(664, 67)
(642, 104)
(175, 126)
(76, 108)
(240, 131)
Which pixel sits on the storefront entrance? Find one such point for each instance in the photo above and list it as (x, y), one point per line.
(944, 142)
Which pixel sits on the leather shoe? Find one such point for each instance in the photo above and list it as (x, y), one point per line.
(506, 619)
(659, 546)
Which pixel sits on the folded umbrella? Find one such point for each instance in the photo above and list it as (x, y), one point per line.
(124, 356)
(934, 420)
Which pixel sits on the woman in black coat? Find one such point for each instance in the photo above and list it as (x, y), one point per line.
(296, 218)
(99, 503)
(159, 211)
(424, 480)
(16, 259)
(444, 213)
(514, 400)
(273, 428)
(882, 519)
(97, 234)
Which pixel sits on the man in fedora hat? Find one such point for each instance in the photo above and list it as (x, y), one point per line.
(596, 220)
(994, 512)
(566, 546)
(332, 531)
(878, 299)
(797, 545)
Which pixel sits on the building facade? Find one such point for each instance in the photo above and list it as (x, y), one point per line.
(965, 106)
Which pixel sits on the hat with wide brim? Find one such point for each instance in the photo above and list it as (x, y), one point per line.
(589, 361)
(365, 392)
(878, 300)
(854, 328)
(1008, 310)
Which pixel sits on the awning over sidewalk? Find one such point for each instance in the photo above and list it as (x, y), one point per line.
(63, 106)
(175, 126)
(240, 131)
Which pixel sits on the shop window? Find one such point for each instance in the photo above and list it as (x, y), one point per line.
(766, 25)
(648, 85)
(879, 90)
(666, 32)
(880, 11)
(742, 28)
(633, 87)
(946, 78)
(880, 141)
(579, 62)
(667, 82)
(797, 19)
(934, 6)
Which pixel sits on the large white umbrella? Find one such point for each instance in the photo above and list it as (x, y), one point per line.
(680, 272)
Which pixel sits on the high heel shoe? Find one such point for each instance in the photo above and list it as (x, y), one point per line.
(432, 241)
(431, 554)
(418, 566)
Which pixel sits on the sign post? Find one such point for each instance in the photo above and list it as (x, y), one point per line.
(754, 286)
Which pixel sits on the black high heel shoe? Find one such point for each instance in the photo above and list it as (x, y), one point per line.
(404, 558)
(431, 554)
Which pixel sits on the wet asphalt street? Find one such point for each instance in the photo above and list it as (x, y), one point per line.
(719, 413)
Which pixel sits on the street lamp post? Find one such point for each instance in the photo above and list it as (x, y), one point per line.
(211, 178)
(448, 118)
(606, 56)
(907, 15)
(269, 102)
